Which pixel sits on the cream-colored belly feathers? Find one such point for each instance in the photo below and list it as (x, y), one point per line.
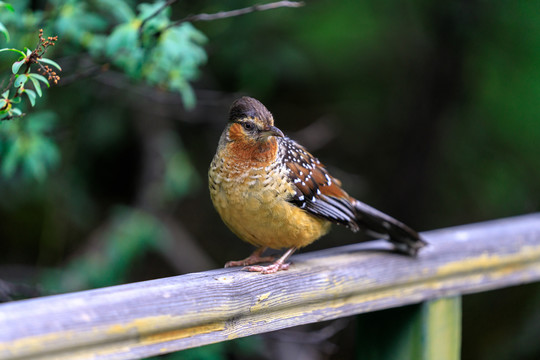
(256, 210)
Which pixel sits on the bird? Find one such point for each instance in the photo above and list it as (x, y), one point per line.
(272, 193)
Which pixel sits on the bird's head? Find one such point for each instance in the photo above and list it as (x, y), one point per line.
(250, 121)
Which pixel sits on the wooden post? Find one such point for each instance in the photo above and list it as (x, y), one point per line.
(426, 331)
(441, 329)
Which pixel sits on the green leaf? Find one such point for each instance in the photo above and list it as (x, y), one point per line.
(3, 103)
(5, 94)
(15, 112)
(123, 39)
(153, 20)
(28, 151)
(4, 31)
(37, 86)
(17, 65)
(50, 62)
(14, 50)
(124, 49)
(119, 8)
(39, 77)
(31, 96)
(36, 78)
(7, 6)
(20, 80)
(147, 10)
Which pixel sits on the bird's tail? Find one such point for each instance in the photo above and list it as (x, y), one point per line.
(380, 225)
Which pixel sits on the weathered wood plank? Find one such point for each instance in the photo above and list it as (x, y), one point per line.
(159, 316)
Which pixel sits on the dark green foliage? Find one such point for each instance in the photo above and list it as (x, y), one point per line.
(144, 44)
(130, 234)
(27, 146)
(112, 32)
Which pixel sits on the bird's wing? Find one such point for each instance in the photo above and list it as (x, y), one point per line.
(320, 194)
(316, 190)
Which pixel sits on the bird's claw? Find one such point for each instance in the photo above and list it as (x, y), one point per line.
(250, 261)
(269, 269)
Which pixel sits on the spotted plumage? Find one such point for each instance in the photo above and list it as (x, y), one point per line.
(316, 190)
(271, 192)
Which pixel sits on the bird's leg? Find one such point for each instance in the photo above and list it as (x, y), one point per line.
(254, 258)
(279, 264)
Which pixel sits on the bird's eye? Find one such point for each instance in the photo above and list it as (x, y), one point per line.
(248, 125)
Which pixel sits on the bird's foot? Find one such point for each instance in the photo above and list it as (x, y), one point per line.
(269, 269)
(250, 260)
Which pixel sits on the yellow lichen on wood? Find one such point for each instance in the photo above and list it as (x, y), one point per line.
(177, 334)
(261, 302)
(36, 343)
(149, 332)
(491, 261)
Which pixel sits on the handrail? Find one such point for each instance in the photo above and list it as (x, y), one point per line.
(159, 316)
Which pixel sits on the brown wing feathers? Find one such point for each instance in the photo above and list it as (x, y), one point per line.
(316, 190)
(320, 194)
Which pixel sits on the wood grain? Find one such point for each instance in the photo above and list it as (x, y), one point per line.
(159, 316)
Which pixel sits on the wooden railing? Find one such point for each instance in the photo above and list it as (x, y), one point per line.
(165, 315)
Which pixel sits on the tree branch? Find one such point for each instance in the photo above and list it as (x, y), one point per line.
(9, 85)
(156, 13)
(11, 117)
(237, 12)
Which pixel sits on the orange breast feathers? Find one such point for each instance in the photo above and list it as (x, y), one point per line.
(247, 151)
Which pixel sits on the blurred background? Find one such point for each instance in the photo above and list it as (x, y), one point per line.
(426, 110)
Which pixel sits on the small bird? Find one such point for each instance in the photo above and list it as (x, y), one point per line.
(271, 192)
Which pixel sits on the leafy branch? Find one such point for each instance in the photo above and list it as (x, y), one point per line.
(12, 93)
(147, 44)
(164, 52)
(154, 14)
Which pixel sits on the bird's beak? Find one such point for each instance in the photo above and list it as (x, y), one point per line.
(271, 131)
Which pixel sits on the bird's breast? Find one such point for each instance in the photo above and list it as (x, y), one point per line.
(253, 201)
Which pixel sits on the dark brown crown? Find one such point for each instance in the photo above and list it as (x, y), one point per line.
(248, 107)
